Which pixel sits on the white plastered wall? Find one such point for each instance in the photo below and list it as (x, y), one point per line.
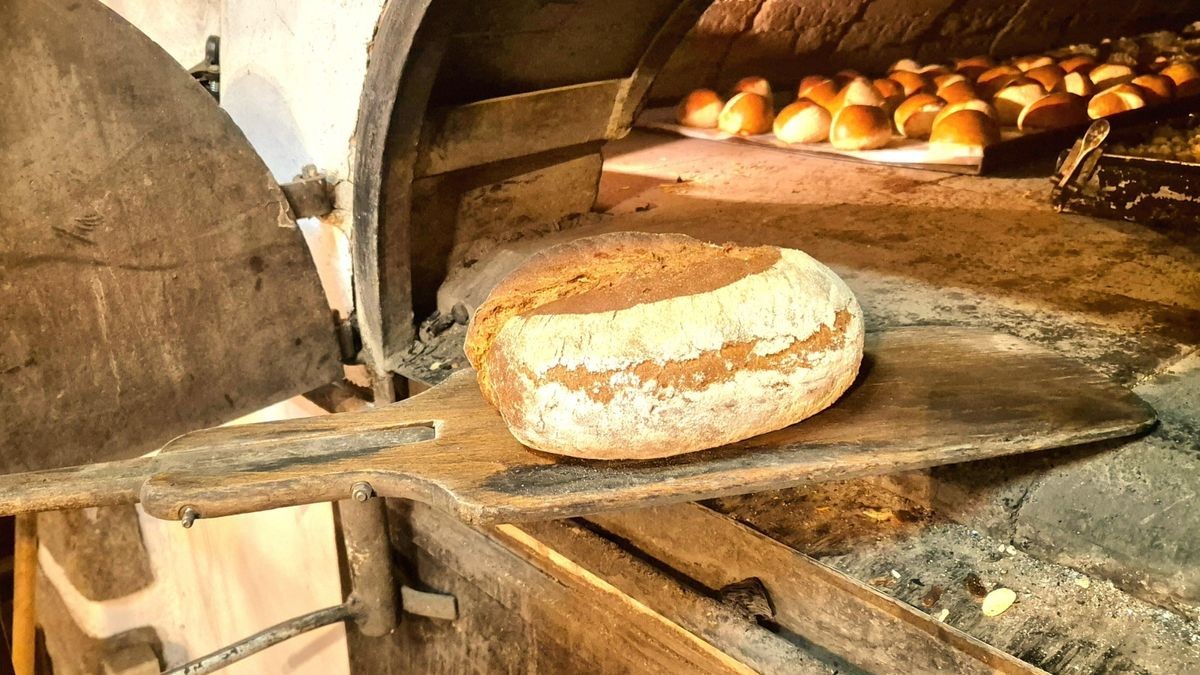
(291, 77)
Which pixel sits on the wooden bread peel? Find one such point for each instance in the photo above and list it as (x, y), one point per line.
(926, 396)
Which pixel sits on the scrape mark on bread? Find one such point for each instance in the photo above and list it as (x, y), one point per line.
(710, 367)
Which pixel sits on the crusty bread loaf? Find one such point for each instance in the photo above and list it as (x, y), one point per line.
(634, 346)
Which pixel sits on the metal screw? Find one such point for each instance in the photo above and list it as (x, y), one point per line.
(188, 515)
(361, 491)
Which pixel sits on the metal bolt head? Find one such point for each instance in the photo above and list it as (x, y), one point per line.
(188, 515)
(361, 491)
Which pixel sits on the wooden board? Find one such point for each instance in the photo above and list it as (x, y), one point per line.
(926, 396)
(153, 281)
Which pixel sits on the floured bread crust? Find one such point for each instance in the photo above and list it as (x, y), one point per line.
(634, 346)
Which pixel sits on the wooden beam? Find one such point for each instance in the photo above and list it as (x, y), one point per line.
(825, 607)
(563, 602)
(515, 126)
(636, 87)
(693, 609)
(400, 73)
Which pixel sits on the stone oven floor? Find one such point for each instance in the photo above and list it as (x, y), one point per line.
(922, 247)
(1099, 542)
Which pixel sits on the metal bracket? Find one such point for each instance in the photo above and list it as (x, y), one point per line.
(208, 71)
(430, 605)
(348, 338)
(371, 604)
(308, 194)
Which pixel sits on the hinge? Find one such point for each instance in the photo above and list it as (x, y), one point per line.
(308, 194)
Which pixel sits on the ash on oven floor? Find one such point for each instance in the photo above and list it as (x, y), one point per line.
(438, 350)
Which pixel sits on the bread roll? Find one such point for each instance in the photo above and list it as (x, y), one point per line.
(802, 122)
(753, 84)
(932, 70)
(1077, 64)
(808, 81)
(746, 114)
(994, 79)
(1116, 99)
(1156, 89)
(1076, 83)
(904, 65)
(912, 82)
(822, 92)
(1053, 111)
(956, 92)
(1107, 75)
(1028, 63)
(858, 91)
(636, 346)
(891, 91)
(975, 104)
(1011, 100)
(964, 133)
(974, 66)
(1185, 76)
(942, 79)
(1048, 76)
(860, 127)
(914, 117)
(699, 109)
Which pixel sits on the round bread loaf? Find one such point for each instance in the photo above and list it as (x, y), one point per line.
(860, 127)
(802, 122)
(957, 91)
(858, 91)
(1156, 89)
(914, 117)
(974, 66)
(699, 109)
(1081, 63)
(634, 346)
(1076, 83)
(746, 114)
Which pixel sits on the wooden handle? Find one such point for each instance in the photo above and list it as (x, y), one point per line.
(24, 631)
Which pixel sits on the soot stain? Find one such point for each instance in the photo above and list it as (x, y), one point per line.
(591, 475)
(281, 463)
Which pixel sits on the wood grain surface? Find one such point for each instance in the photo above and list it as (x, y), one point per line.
(824, 607)
(152, 281)
(926, 396)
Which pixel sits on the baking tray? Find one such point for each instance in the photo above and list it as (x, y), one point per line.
(1152, 191)
(1014, 150)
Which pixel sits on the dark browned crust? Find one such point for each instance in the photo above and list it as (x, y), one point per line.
(606, 273)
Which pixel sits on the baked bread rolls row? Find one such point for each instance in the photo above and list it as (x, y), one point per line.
(635, 346)
(1031, 93)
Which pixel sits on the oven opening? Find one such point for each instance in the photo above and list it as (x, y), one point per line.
(562, 122)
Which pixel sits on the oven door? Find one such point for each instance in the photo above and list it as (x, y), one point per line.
(152, 279)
